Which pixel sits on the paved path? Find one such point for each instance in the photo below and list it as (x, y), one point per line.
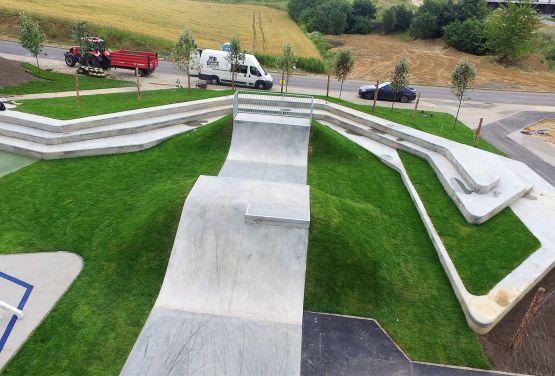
(318, 83)
(342, 345)
(497, 134)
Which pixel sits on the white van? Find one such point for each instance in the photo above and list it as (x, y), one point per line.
(215, 68)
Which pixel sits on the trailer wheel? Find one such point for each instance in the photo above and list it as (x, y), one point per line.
(70, 61)
(142, 72)
(214, 80)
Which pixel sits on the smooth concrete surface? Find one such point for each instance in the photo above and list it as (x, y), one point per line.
(232, 297)
(49, 274)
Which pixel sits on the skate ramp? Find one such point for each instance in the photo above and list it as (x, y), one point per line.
(232, 299)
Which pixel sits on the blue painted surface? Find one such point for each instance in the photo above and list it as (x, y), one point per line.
(28, 288)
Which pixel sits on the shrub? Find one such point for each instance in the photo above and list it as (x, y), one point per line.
(431, 17)
(467, 36)
(328, 18)
(296, 7)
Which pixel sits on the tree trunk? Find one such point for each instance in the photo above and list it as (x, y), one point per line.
(282, 78)
(189, 80)
(458, 109)
(233, 76)
(287, 82)
(37, 57)
(328, 86)
(341, 89)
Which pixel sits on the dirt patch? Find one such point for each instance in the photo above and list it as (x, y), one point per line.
(533, 62)
(12, 73)
(431, 63)
(535, 355)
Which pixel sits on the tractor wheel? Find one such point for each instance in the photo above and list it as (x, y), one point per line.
(70, 61)
(92, 63)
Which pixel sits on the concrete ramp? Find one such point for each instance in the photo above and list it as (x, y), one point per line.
(232, 299)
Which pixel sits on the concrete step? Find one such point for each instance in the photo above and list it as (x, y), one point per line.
(110, 130)
(107, 145)
(479, 178)
(476, 207)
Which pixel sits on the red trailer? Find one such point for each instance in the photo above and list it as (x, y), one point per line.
(145, 62)
(98, 57)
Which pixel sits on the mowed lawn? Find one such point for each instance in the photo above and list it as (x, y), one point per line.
(369, 254)
(260, 28)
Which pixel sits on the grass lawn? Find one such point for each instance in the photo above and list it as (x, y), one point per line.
(120, 213)
(48, 82)
(65, 108)
(483, 254)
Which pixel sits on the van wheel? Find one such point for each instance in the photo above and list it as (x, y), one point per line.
(214, 80)
(260, 86)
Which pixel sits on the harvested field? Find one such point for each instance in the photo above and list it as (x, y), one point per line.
(12, 73)
(212, 23)
(431, 63)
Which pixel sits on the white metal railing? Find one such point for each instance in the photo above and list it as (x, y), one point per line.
(11, 309)
(268, 103)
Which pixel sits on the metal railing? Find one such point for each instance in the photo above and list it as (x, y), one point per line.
(268, 103)
(10, 308)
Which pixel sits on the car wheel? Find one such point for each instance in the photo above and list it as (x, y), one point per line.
(214, 80)
(369, 96)
(70, 62)
(404, 99)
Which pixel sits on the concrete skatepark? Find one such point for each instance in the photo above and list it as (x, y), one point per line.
(263, 188)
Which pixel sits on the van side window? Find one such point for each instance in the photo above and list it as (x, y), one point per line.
(255, 71)
(241, 69)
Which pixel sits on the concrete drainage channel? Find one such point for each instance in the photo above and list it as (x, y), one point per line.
(480, 183)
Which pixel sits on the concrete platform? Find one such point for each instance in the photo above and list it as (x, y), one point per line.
(34, 282)
(232, 297)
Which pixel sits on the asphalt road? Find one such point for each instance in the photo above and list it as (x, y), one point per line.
(319, 83)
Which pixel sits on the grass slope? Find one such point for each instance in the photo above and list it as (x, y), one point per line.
(48, 82)
(120, 214)
(483, 254)
(65, 108)
(369, 255)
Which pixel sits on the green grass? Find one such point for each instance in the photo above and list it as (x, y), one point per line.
(483, 254)
(432, 122)
(369, 255)
(65, 108)
(48, 82)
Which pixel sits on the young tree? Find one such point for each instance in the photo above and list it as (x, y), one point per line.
(462, 78)
(80, 35)
(511, 29)
(184, 53)
(329, 66)
(31, 36)
(343, 65)
(399, 78)
(235, 57)
(286, 63)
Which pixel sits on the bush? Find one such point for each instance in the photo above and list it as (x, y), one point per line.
(388, 21)
(328, 18)
(431, 17)
(467, 36)
(472, 9)
(396, 19)
(296, 7)
(361, 17)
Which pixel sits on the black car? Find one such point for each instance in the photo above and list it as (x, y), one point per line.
(385, 93)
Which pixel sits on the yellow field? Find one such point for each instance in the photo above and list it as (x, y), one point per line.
(259, 28)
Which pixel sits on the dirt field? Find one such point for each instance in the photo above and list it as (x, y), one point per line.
(259, 28)
(431, 63)
(535, 355)
(12, 73)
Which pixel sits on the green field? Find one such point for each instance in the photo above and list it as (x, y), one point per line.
(49, 82)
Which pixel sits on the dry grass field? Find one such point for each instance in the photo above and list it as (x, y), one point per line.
(261, 29)
(431, 63)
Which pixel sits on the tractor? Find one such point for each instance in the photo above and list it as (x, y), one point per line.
(96, 56)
